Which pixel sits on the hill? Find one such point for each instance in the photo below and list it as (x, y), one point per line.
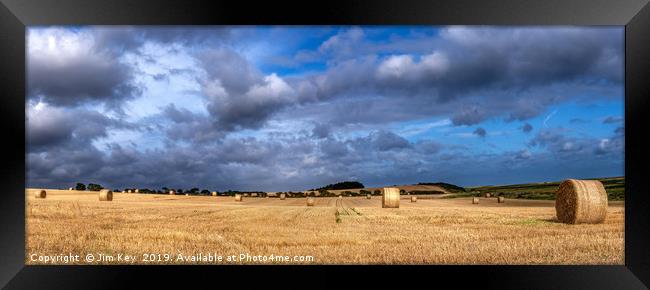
(615, 187)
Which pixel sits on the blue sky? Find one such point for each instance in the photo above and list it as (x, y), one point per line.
(293, 107)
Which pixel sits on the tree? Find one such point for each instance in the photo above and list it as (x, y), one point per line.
(377, 192)
(179, 191)
(94, 187)
(80, 186)
(194, 190)
(342, 185)
(205, 191)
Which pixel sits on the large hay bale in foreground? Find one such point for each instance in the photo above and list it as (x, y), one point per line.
(414, 199)
(475, 200)
(368, 196)
(581, 201)
(105, 195)
(310, 201)
(238, 197)
(40, 193)
(390, 199)
(282, 196)
(501, 199)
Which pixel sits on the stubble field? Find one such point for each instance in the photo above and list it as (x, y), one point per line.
(352, 230)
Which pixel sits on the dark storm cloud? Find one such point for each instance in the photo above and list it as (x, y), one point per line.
(78, 79)
(381, 141)
(321, 130)
(526, 128)
(50, 127)
(479, 132)
(557, 142)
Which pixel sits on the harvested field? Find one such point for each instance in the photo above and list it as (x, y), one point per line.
(351, 230)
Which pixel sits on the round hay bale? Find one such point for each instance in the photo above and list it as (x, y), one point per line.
(310, 201)
(40, 193)
(390, 199)
(71, 188)
(414, 199)
(171, 192)
(253, 194)
(137, 191)
(214, 193)
(246, 194)
(368, 196)
(487, 194)
(581, 201)
(105, 195)
(238, 197)
(475, 200)
(283, 196)
(501, 199)
(187, 194)
(340, 197)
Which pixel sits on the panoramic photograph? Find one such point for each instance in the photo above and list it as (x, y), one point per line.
(362, 145)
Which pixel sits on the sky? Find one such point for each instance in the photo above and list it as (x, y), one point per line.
(293, 108)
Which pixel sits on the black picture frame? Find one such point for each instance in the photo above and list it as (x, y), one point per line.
(15, 15)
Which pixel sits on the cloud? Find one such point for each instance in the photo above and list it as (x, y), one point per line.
(50, 127)
(67, 68)
(321, 130)
(269, 130)
(613, 120)
(480, 132)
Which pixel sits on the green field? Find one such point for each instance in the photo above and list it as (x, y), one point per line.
(615, 187)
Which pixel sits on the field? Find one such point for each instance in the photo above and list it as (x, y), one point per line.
(351, 230)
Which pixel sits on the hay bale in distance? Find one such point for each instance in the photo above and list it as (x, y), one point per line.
(214, 193)
(501, 199)
(414, 199)
(310, 201)
(171, 192)
(475, 200)
(283, 196)
(340, 197)
(368, 196)
(253, 194)
(105, 195)
(71, 188)
(390, 199)
(581, 201)
(487, 194)
(137, 191)
(238, 197)
(40, 193)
